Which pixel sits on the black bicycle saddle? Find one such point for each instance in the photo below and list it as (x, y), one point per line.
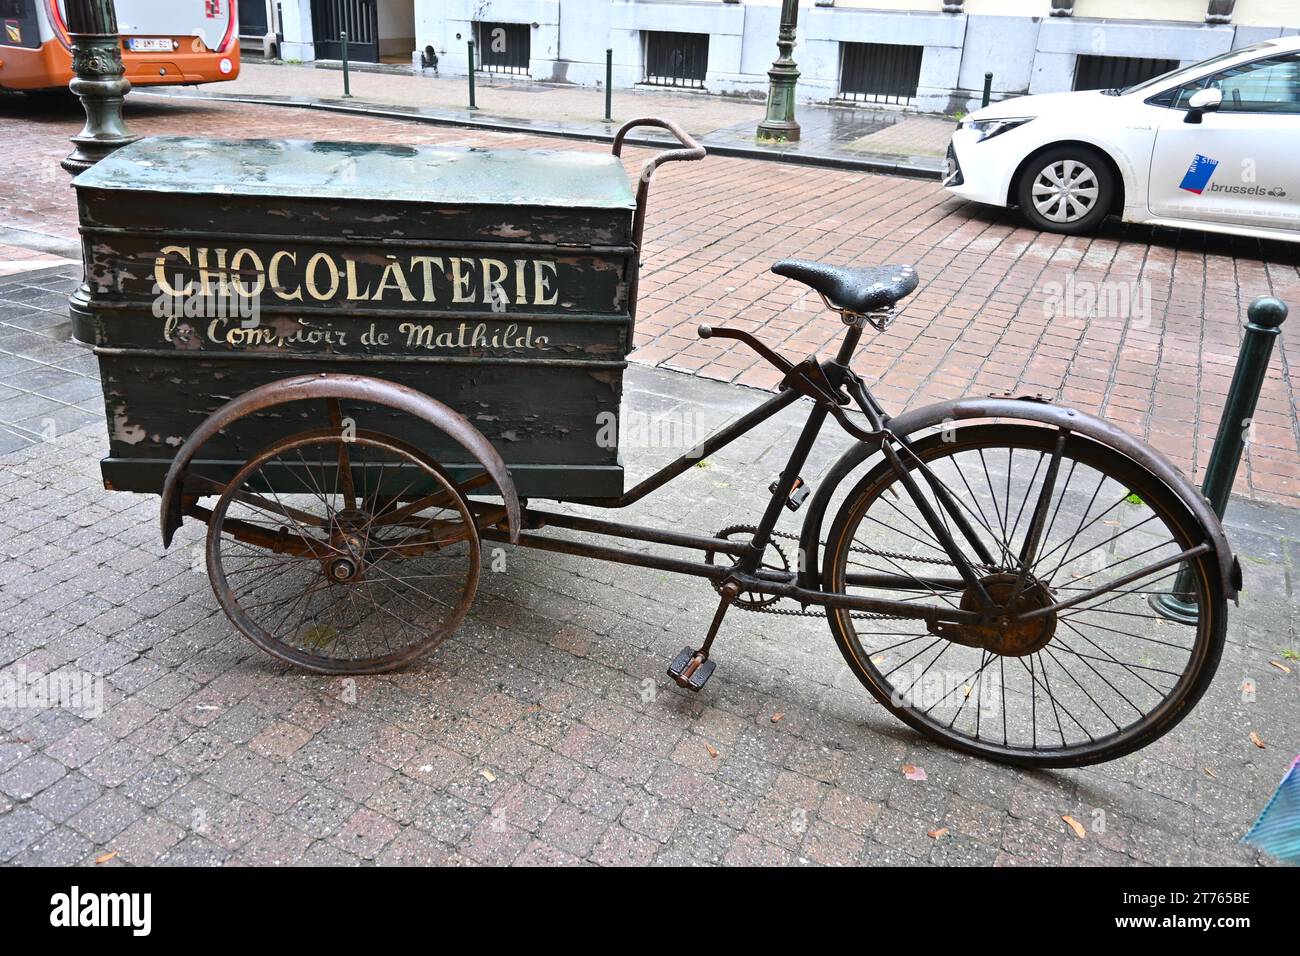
(853, 288)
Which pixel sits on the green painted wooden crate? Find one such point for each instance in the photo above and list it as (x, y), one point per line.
(495, 281)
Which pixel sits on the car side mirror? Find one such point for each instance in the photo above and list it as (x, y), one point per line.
(1201, 102)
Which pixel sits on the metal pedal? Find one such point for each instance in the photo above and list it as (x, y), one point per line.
(798, 494)
(691, 669)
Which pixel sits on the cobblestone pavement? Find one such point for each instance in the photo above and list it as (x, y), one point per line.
(1137, 324)
(545, 731)
(844, 133)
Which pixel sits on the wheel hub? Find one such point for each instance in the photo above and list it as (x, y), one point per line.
(349, 540)
(341, 569)
(1004, 634)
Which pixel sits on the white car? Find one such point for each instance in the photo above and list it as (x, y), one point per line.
(1215, 146)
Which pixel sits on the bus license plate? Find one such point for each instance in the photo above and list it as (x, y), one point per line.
(149, 45)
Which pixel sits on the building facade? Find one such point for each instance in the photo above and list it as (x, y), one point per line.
(925, 54)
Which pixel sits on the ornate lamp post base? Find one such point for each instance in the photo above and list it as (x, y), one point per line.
(782, 77)
(780, 122)
(100, 81)
(101, 84)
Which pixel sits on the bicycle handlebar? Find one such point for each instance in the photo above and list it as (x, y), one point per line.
(708, 332)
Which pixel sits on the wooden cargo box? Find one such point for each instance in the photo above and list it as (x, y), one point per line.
(495, 281)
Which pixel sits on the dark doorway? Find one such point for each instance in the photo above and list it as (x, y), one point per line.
(253, 21)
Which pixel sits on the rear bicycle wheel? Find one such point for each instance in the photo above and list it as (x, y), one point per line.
(1068, 687)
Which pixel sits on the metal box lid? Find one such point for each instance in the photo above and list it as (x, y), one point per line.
(440, 175)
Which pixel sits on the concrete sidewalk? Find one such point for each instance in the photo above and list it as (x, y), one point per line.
(869, 139)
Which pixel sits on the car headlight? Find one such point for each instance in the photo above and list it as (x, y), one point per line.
(988, 128)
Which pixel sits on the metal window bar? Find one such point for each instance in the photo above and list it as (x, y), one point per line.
(676, 59)
(502, 48)
(358, 17)
(1093, 72)
(880, 72)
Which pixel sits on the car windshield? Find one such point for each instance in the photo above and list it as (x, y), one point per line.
(1191, 70)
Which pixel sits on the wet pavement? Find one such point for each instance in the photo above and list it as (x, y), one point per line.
(846, 136)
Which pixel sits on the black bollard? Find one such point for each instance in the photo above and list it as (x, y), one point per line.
(609, 86)
(471, 75)
(1264, 319)
(347, 87)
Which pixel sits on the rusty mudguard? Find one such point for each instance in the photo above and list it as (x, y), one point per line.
(1029, 411)
(358, 388)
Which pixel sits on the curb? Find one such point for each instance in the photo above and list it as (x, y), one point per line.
(869, 164)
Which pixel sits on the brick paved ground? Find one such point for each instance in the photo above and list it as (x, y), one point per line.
(978, 323)
(545, 731)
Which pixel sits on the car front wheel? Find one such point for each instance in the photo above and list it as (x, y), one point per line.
(1068, 189)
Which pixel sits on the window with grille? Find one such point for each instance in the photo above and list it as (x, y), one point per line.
(879, 72)
(1116, 72)
(502, 47)
(676, 59)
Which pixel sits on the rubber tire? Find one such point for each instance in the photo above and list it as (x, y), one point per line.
(1105, 189)
(1209, 647)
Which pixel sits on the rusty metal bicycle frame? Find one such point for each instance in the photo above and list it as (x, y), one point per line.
(825, 383)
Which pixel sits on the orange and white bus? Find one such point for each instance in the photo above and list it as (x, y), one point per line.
(163, 42)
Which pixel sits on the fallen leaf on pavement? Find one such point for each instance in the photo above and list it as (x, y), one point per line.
(777, 718)
(105, 857)
(912, 772)
(1280, 666)
(1257, 740)
(1075, 825)
(935, 834)
(1210, 773)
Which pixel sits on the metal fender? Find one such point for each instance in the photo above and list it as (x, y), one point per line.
(1012, 410)
(358, 388)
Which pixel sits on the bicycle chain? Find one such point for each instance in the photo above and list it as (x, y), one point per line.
(855, 615)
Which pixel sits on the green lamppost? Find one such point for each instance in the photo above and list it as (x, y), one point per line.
(99, 80)
(782, 77)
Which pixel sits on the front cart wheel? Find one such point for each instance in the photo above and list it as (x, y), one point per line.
(1068, 189)
(1032, 684)
(343, 555)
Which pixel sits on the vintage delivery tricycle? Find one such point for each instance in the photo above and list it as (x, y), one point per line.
(356, 362)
